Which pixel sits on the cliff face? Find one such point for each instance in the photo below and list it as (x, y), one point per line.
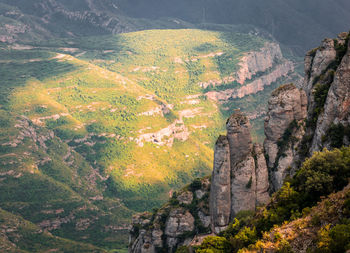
(298, 122)
(283, 130)
(336, 110)
(257, 70)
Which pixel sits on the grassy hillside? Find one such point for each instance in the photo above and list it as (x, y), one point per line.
(94, 129)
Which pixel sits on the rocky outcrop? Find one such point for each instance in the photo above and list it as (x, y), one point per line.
(176, 223)
(220, 197)
(317, 60)
(239, 182)
(336, 111)
(284, 130)
(259, 84)
(244, 166)
(250, 65)
(255, 62)
(179, 222)
(240, 175)
(326, 84)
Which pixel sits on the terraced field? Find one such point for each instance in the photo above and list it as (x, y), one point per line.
(106, 126)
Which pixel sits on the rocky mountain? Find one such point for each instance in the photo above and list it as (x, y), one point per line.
(26, 21)
(299, 122)
(297, 24)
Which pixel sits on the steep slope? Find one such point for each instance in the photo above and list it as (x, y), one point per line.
(322, 228)
(240, 179)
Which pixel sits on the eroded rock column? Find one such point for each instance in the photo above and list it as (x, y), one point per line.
(220, 191)
(239, 138)
(243, 177)
(262, 176)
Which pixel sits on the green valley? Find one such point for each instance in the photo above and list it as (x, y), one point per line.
(107, 126)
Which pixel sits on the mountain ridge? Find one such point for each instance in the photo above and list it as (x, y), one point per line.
(57, 17)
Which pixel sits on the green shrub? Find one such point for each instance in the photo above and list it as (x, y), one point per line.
(322, 174)
(183, 249)
(214, 244)
(333, 240)
(243, 238)
(320, 93)
(335, 134)
(196, 184)
(340, 235)
(284, 247)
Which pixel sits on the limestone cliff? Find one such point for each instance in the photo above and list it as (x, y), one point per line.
(284, 130)
(244, 166)
(257, 70)
(220, 198)
(326, 84)
(336, 111)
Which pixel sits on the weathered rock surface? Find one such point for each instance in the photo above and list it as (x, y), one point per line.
(239, 138)
(337, 106)
(260, 61)
(262, 176)
(174, 224)
(243, 186)
(185, 198)
(317, 61)
(220, 197)
(283, 129)
(281, 70)
(244, 166)
(179, 221)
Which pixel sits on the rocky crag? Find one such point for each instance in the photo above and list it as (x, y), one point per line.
(298, 123)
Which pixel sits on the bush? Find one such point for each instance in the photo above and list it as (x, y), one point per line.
(196, 185)
(334, 240)
(322, 174)
(182, 249)
(214, 244)
(284, 205)
(335, 134)
(244, 238)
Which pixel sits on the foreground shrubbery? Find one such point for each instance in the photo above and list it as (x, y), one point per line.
(325, 172)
